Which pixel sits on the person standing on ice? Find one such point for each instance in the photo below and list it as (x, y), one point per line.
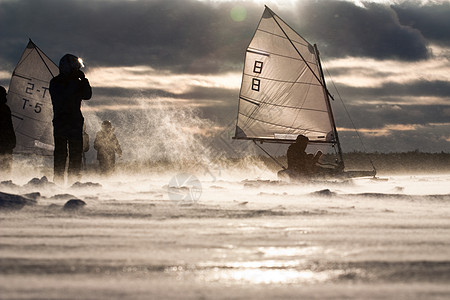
(85, 145)
(67, 90)
(107, 146)
(7, 135)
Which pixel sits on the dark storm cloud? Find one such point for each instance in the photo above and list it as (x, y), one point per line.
(196, 37)
(432, 20)
(396, 104)
(378, 116)
(181, 35)
(343, 28)
(424, 128)
(419, 88)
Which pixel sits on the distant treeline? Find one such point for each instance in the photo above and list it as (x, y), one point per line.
(411, 162)
(402, 162)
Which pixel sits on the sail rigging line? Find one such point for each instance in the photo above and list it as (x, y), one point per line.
(250, 101)
(268, 53)
(283, 141)
(350, 118)
(250, 119)
(16, 116)
(281, 36)
(259, 52)
(293, 45)
(23, 77)
(327, 100)
(273, 158)
(27, 135)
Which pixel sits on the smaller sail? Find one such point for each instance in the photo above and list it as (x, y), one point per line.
(30, 102)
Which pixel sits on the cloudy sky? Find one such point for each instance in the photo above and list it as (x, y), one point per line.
(181, 61)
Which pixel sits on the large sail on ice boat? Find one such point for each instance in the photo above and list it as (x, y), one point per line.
(30, 102)
(283, 91)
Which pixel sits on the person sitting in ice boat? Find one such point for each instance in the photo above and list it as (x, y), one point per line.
(107, 146)
(301, 164)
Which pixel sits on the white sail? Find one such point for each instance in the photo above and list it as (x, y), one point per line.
(282, 92)
(30, 102)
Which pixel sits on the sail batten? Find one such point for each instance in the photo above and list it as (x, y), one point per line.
(286, 127)
(282, 76)
(284, 106)
(287, 81)
(30, 102)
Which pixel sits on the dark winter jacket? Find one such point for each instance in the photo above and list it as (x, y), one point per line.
(107, 146)
(7, 135)
(296, 157)
(67, 90)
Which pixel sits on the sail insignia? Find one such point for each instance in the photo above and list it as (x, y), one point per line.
(30, 102)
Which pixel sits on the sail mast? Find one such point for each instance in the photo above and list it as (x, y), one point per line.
(327, 100)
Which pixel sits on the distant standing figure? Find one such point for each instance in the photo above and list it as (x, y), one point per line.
(107, 146)
(85, 145)
(7, 135)
(67, 90)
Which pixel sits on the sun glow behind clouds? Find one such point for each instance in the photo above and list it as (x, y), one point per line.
(262, 2)
(135, 104)
(4, 75)
(391, 129)
(145, 77)
(366, 72)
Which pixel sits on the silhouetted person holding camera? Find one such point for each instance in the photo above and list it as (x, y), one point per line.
(107, 146)
(67, 90)
(7, 135)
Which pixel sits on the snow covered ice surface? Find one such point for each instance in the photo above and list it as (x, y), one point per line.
(254, 239)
